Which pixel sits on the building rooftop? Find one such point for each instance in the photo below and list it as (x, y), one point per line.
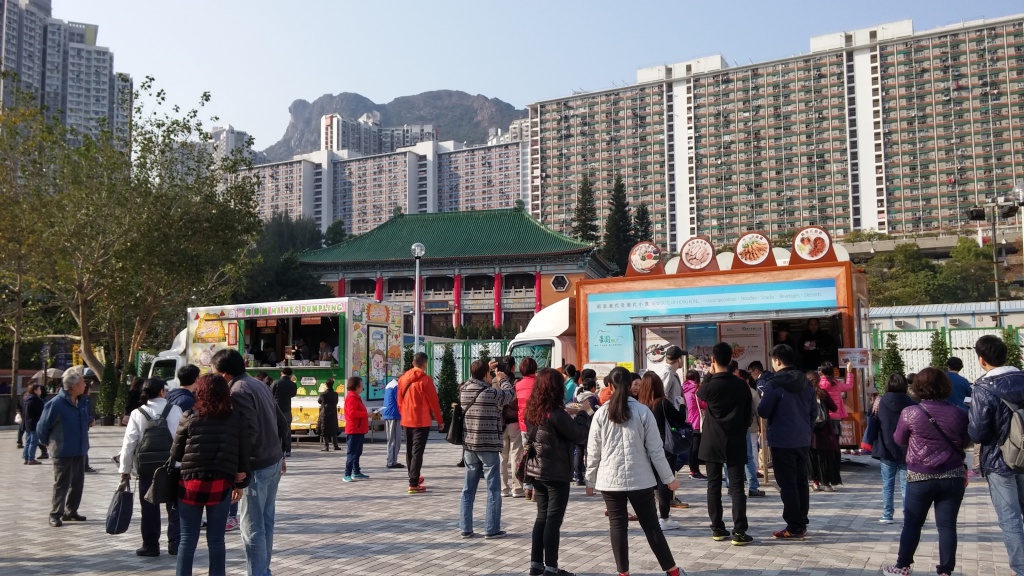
(451, 235)
(960, 308)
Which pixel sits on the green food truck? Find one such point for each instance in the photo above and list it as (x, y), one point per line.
(318, 339)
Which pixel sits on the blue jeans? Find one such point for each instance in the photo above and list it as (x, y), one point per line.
(890, 469)
(353, 450)
(257, 519)
(191, 518)
(1008, 498)
(946, 495)
(31, 442)
(488, 466)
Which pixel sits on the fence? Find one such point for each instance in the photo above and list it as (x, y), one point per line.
(915, 347)
(464, 352)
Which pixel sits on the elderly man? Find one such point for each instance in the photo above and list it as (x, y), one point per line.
(64, 425)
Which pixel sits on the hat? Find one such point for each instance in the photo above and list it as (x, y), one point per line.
(674, 352)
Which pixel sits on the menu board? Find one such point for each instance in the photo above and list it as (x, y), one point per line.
(858, 357)
(699, 340)
(749, 341)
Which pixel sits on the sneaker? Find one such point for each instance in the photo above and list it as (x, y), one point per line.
(150, 552)
(559, 572)
(467, 535)
(396, 465)
(720, 534)
(581, 482)
(667, 524)
(360, 476)
(884, 520)
(828, 488)
(422, 481)
(56, 522)
(495, 536)
(755, 494)
(20, 445)
(677, 503)
(347, 479)
(741, 538)
(232, 524)
(417, 489)
(91, 470)
(518, 495)
(506, 494)
(33, 462)
(76, 517)
(43, 457)
(172, 548)
(892, 570)
(787, 535)
(697, 476)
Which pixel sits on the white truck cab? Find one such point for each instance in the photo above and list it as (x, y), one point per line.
(550, 337)
(166, 363)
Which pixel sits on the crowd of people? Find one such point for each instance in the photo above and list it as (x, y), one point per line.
(535, 435)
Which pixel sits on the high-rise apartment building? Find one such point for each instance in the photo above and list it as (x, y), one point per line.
(226, 139)
(366, 136)
(24, 42)
(482, 178)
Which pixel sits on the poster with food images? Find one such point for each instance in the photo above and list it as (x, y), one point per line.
(696, 254)
(645, 258)
(813, 244)
(753, 249)
(749, 341)
(210, 331)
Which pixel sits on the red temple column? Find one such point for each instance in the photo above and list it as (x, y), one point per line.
(379, 293)
(537, 291)
(457, 314)
(341, 287)
(497, 299)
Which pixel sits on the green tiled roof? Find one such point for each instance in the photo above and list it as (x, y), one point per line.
(450, 235)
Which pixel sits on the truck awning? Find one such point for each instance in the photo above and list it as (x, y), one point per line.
(728, 317)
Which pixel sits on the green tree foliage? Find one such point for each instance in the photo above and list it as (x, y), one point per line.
(642, 227)
(864, 236)
(108, 391)
(460, 332)
(618, 233)
(485, 353)
(785, 239)
(892, 362)
(939, 349)
(1013, 354)
(335, 233)
(906, 276)
(407, 356)
(275, 272)
(448, 380)
(584, 223)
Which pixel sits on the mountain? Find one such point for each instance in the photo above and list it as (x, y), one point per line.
(456, 115)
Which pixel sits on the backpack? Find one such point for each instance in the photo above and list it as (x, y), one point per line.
(154, 448)
(1013, 446)
(822, 418)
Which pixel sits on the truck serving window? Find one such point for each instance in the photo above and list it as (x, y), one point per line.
(539, 351)
(163, 368)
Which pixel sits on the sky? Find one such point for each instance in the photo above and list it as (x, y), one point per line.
(257, 56)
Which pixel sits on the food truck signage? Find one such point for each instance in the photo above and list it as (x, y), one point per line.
(610, 314)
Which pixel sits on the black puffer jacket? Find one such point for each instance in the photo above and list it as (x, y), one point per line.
(213, 447)
(31, 410)
(554, 444)
(890, 406)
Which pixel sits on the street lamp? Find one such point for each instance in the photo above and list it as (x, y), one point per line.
(1006, 207)
(418, 250)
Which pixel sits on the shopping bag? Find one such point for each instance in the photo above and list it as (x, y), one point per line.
(119, 513)
(164, 488)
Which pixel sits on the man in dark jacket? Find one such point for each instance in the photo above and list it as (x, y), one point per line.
(182, 396)
(989, 426)
(64, 425)
(789, 407)
(724, 442)
(267, 427)
(284, 390)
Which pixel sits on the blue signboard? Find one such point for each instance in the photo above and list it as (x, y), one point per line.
(609, 343)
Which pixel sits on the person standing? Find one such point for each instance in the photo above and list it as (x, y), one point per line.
(64, 425)
(626, 458)
(267, 427)
(789, 406)
(825, 447)
(961, 387)
(524, 387)
(212, 448)
(418, 402)
(327, 419)
(669, 373)
(483, 398)
(571, 382)
(284, 389)
(989, 426)
(883, 447)
(357, 425)
(182, 396)
(31, 411)
(134, 457)
(725, 442)
(935, 436)
(554, 433)
(652, 395)
(753, 484)
(694, 415)
(392, 424)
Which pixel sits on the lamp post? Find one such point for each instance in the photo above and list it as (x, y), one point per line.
(1005, 207)
(418, 250)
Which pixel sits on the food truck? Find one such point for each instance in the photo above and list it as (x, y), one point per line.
(360, 338)
(752, 298)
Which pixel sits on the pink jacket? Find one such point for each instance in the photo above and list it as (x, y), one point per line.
(524, 388)
(690, 396)
(836, 392)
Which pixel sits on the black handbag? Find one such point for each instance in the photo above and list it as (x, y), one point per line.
(677, 441)
(457, 429)
(119, 513)
(164, 488)
(529, 452)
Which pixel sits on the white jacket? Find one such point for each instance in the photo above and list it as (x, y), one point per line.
(619, 456)
(137, 423)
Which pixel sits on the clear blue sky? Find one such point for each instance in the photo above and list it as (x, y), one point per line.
(257, 56)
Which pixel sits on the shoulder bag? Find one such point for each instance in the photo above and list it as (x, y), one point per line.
(677, 441)
(457, 430)
(529, 452)
(959, 450)
(164, 488)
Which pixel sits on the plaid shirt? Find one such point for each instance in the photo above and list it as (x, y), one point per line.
(204, 492)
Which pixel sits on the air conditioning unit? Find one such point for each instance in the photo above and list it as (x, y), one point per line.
(956, 322)
(900, 323)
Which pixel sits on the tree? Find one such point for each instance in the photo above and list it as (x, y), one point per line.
(584, 224)
(785, 239)
(940, 350)
(617, 227)
(276, 273)
(407, 356)
(902, 277)
(460, 332)
(108, 391)
(485, 354)
(967, 275)
(642, 228)
(892, 362)
(335, 233)
(448, 380)
(1013, 354)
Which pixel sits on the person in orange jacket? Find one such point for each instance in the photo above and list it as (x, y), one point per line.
(357, 424)
(417, 403)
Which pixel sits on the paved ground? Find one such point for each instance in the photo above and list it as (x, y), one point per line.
(373, 527)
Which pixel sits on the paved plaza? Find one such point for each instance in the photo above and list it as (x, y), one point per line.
(373, 527)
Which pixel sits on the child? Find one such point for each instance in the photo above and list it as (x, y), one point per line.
(357, 424)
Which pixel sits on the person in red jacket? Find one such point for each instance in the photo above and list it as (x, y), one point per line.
(524, 389)
(417, 403)
(357, 424)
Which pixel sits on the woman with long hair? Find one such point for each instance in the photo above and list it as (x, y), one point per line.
(327, 421)
(626, 461)
(554, 432)
(892, 456)
(212, 447)
(652, 395)
(835, 390)
(934, 433)
(824, 449)
(693, 412)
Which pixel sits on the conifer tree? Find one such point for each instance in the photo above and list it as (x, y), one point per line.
(584, 224)
(642, 224)
(448, 381)
(940, 350)
(618, 227)
(1013, 355)
(892, 362)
